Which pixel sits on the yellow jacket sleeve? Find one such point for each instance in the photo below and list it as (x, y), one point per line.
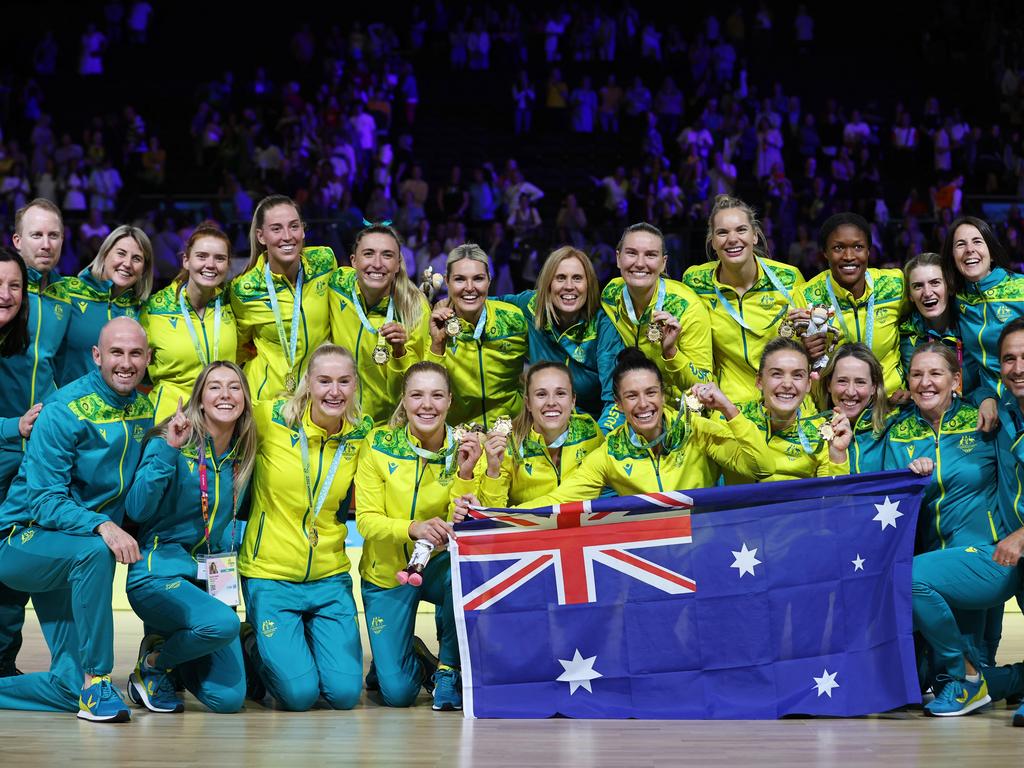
(584, 484)
(736, 445)
(372, 521)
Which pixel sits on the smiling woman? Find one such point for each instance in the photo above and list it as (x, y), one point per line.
(116, 284)
(481, 342)
(190, 322)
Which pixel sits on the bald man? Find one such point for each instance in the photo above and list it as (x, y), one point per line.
(61, 526)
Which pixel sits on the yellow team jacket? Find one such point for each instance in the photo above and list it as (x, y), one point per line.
(737, 349)
(250, 301)
(783, 455)
(277, 538)
(523, 477)
(891, 306)
(394, 487)
(693, 362)
(380, 386)
(175, 366)
(486, 373)
(690, 458)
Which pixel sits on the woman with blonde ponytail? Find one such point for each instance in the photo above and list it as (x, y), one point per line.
(379, 314)
(302, 633)
(280, 301)
(548, 443)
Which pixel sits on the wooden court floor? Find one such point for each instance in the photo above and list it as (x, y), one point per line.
(373, 735)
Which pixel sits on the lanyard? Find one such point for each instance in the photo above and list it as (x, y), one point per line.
(192, 329)
(478, 331)
(557, 443)
(362, 315)
(628, 301)
(648, 445)
(288, 347)
(772, 278)
(853, 305)
(204, 498)
(328, 479)
(429, 456)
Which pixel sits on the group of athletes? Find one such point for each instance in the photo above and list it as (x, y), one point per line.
(300, 394)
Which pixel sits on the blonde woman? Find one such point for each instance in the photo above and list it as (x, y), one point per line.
(567, 326)
(302, 631)
(379, 314)
(482, 342)
(116, 284)
(185, 496)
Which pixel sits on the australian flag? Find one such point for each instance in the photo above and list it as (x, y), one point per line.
(737, 603)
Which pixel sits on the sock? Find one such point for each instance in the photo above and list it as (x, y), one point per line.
(975, 678)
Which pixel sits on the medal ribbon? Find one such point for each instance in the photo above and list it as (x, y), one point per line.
(631, 310)
(870, 320)
(447, 455)
(389, 317)
(772, 278)
(204, 498)
(557, 443)
(478, 331)
(288, 346)
(327, 480)
(192, 329)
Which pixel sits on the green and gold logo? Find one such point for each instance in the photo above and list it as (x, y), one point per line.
(268, 628)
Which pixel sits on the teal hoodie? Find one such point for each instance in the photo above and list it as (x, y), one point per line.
(985, 307)
(164, 499)
(959, 508)
(867, 450)
(28, 378)
(589, 350)
(91, 307)
(83, 453)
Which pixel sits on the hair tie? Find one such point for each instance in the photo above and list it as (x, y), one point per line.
(381, 223)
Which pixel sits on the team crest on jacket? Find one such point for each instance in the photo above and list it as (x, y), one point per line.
(1004, 313)
(26, 537)
(268, 628)
(58, 310)
(767, 301)
(967, 443)
(138, 433)
(377, 625)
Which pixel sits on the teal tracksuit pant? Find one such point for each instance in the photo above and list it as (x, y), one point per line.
(391, 621)
(307, 638)
(71, 581)
(967, 581)
(200, 638)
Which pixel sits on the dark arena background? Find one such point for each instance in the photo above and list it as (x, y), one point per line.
(521, 127)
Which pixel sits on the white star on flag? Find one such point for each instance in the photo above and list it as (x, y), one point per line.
(887, 513)
(858, 564)
(826, 682)
(745, 561)
(578, 672)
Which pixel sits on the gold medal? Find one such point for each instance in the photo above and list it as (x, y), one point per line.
(787, 330)
(693, 403)
(314, 537)
(827, 432)
(452, 326)
(655, 333)
(289, 383)
(381, 354)
(502, 426)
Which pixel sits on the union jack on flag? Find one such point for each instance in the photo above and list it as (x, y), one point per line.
(571, 539)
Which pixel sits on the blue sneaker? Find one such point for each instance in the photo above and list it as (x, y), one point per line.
(447, 689)
(101, 702)
(1018, 717)
(958, 697)
(152, 688)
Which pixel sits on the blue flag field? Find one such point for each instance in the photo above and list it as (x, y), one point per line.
(742, 602)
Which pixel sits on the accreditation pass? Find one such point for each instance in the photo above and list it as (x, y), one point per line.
(220, 572)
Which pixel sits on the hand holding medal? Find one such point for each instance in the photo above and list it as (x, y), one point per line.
(709, 396)
(664, 330)
(838, 434)
(391, 339)
(469, 449)
(442, 320)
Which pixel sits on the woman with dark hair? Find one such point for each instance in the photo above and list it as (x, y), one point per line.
(116, 284)
(280, 301)
(988, 293)
(14, 339)
(190, 323)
